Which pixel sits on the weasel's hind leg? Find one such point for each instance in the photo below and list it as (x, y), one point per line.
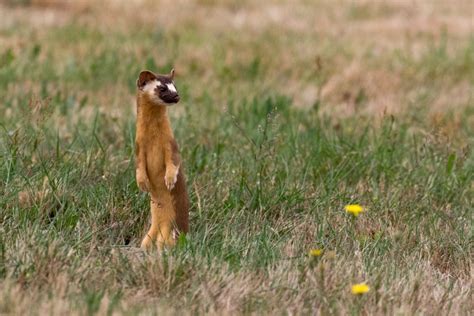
(163, 223)
(165, 236)
(150, 238)
(166, 222)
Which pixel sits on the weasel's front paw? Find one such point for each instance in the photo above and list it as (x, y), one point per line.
(170, 177)
(143, 182)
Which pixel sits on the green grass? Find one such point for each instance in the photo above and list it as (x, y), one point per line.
(268, 181)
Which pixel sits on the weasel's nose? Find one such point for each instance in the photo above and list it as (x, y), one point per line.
(176, 98)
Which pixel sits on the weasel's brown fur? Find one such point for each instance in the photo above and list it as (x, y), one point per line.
(158, 164)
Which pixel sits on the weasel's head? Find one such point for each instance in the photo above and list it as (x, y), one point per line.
(159, 89)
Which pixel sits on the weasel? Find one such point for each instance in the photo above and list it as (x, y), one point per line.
(158, 162)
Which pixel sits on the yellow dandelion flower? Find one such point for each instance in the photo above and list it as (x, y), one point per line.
(315, 252)
(360, 288)
(354, 209)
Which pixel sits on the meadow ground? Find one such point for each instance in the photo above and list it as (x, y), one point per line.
(289, 111)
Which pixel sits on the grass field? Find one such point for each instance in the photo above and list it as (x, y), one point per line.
(289, 112)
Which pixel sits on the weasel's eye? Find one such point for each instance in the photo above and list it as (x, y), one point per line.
(163, 88)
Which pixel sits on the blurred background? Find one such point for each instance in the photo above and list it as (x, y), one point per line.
(344, 56)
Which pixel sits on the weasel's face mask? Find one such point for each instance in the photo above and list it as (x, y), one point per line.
(159, 88)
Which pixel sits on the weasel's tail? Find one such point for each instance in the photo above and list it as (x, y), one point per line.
(181, 203)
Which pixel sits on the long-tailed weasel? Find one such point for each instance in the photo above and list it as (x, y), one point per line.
(158, 161)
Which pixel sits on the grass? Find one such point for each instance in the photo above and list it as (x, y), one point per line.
(274, 146)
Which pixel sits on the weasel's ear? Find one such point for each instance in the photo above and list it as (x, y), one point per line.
(172, 74)
(145, 77)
